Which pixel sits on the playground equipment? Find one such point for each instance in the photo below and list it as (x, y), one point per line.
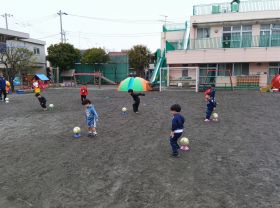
(98, 75)
(135, 83)
(275, 85)
(160, 63)
(276, 82)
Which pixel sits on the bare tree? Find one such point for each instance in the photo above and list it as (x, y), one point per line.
(15, 59)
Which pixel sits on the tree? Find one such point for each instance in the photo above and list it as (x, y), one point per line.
(63, 55)
(95, 56)
(15, 59)
(139, 59)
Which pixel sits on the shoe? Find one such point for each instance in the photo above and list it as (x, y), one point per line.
(206, 120)
(45, 109)
(174, 154)
(137, 112)
(90, 135)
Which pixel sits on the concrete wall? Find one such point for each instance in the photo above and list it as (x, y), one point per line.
(222, 55)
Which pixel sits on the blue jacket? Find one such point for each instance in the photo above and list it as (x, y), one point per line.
(178, 122)
(211, 104)
(2, 83)
(213, 93)
(91, 113)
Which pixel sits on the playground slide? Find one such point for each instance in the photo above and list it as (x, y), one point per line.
(108, 80)
(157, 70)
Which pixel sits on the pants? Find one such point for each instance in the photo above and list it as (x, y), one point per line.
(43, 105)
(83, 97)
(3, 91)
(209, 113)
(136, 106)
(174, 142)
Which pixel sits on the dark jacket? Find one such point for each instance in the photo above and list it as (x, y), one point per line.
(178, 122)
(2, 83)
(135, 97)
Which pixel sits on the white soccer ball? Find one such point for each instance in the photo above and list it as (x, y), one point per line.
(180, 84)
(77, 130)
(124, 109)
(184, 141)
(51, 105)
(215, 115)
(7, 99)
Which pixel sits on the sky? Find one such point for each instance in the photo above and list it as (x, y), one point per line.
(110, 24)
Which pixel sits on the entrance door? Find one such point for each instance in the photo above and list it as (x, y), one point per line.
(272, 72)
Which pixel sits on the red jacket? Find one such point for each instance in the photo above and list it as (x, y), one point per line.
(84, 91)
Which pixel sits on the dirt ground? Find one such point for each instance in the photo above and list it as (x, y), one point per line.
(232, 163)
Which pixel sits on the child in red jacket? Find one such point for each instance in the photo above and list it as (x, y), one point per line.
(83, 92)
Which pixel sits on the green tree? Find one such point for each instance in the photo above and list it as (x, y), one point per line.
(63, 55)
(139, 59)
(95, 56)
(15, 59)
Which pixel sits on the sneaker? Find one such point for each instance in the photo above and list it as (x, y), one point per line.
(175, 154)
(94, 133)
(206, 120)
(137, 112)
(90, 134)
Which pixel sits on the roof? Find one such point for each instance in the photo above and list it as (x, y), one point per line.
(42, 77)
(34, 41)
(68, 73)
(12, 33)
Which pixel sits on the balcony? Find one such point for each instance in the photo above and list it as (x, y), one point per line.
(243, 6)
(174, 27)
(235, 42)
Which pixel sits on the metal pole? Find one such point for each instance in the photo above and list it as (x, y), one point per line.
(160, 79)
(61, 29)
(197, 80)
(6, 19)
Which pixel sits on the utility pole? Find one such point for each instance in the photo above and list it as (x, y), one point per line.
(165, 19)
(62, 33)
(6, 19)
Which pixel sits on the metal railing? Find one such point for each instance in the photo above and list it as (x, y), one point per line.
(243, 6)
(235, 42)
(174, 27)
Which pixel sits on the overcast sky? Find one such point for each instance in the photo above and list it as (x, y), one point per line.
(113, 24)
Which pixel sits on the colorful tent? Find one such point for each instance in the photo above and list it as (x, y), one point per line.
(135, 83)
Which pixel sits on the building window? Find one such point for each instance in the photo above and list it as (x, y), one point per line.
(224, 70)
(270, 35)
(203, 33)
(241, 69)
(36, 51)
(238, 36)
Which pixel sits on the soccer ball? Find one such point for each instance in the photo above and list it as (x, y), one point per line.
(124, 109)
(184, 141)
(7, 99)
(180, 84)
(215, 115)
(51, 105)
(77, 130)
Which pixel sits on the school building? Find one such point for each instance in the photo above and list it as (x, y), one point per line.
(238, 39)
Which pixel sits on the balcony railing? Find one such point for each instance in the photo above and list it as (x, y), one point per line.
(174, 27)
(243, 6)
(235, 42)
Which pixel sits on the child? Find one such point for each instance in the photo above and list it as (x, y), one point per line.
(136, 99)
(83, 92)
(177, 128)
(211, 106)
(42, 101)
(91, 118)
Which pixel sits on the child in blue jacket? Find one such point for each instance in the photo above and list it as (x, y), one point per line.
(211, 106)
(177, 128)
(91, 118)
